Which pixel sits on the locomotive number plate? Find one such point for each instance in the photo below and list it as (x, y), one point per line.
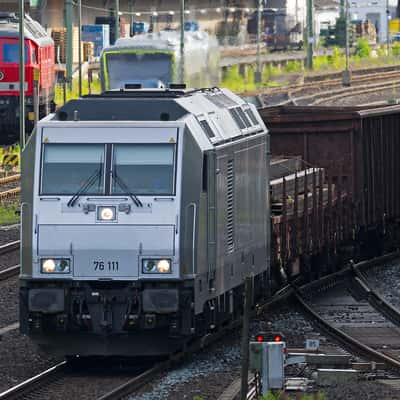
(106, 266)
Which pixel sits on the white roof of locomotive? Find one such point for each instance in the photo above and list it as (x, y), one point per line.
(164, 40)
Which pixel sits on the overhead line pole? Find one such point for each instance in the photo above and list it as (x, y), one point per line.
(69, 55)
(310, 34)
(80, 46)
(258, 74)
(21, 37)
(347, 73)
(117, 27)
(388, 17)
(182, 43)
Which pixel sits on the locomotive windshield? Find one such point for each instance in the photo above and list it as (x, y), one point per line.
(11, 53)
(67, 167)
(144, 168)
(148, 69)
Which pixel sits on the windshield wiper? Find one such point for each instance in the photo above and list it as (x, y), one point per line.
(124, 187)
(88, 183)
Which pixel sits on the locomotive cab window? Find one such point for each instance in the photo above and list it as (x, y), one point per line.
(143, 169)
(68, 168)
(11, 53)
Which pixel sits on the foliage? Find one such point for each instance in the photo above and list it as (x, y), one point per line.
(8, 214)
(236, 82)
(294, 66)
(321, 63)
(239, 83)
(337, 60)
(396, 49)
(74, 93)
(277, 396)
(363, 49)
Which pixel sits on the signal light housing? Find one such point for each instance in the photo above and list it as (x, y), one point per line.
(270, 337)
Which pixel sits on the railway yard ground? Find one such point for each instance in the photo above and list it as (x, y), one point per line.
(210, 373)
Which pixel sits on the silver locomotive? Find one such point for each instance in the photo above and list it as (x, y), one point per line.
(142, 212)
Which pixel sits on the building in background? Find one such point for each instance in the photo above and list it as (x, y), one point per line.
(326, 14)
(374, 11)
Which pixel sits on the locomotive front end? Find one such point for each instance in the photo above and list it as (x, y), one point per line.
(103, 231)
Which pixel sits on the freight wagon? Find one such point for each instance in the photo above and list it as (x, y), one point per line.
(353, 209)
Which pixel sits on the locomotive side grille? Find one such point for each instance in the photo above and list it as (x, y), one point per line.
(236, 116)
(230, 208)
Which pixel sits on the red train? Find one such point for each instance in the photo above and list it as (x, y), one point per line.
(39, 63)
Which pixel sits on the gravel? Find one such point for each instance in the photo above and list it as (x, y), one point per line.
(20, 359)
(207, 374)
(386, 281)
(8, 301)
(9, 234)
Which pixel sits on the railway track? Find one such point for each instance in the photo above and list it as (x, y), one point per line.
(316, 93)
(10, 187)
(13, 270)
(55, 378)
(348, 310)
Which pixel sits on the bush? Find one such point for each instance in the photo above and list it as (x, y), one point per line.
(321, 63)
(293, 66)
(363, 49)
(396, 49)
(337, 60)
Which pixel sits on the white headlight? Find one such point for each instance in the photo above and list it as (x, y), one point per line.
(154, 266)
(106, 213)
(56, 266)
(48, 266)
(164, 266)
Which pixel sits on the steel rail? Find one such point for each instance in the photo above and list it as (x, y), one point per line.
(9, 247)
(313, 90)
(346, 340)
(34, 383)
(11, 193)
(10, 178)
(10, 271)
(135, 383)
(374, 299)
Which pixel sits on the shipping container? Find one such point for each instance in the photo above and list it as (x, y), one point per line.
(99, 35)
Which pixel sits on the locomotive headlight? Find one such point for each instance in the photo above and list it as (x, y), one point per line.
(106, 214)
(48, 266)
(162, 266)
(56, 266)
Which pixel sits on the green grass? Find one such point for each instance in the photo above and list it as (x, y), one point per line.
(74, 92)
(364, 56)
(8, 214)
(277, 396)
